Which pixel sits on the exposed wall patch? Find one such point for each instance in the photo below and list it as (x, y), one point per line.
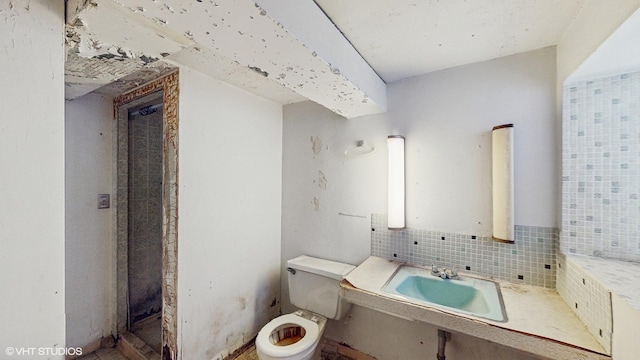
(259, 71)
(322, 180)
(316, 145)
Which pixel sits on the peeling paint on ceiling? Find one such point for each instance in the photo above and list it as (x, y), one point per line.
(292, 49)
(240, 31)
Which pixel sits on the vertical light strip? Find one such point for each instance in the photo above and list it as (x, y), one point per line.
(395, 144)
(502, 183)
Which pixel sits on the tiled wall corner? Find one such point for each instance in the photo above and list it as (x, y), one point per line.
(601, 167)
(587, 297)
(530, 260)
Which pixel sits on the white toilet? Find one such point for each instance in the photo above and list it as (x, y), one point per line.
(314, 287)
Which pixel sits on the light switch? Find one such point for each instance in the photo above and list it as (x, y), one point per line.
(103, 201)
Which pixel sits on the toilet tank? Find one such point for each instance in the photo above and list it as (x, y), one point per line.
(314, 285)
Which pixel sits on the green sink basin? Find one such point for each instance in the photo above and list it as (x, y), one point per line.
(466, 295)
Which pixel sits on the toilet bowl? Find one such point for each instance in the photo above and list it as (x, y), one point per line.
(292, 336)
(314, 287)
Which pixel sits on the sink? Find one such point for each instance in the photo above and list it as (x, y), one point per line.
(466, 295)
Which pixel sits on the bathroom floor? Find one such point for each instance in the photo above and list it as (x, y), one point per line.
(105, 354)
(149, 330)
(249, 354)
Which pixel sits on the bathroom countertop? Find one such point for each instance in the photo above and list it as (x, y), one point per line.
(539, 321)
(619, 277)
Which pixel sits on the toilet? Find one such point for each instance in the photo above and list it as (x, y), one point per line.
(314, 287)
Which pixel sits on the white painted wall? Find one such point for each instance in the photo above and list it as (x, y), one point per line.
(447, 118)
(89, 242)
(32, 161)
(230, 164)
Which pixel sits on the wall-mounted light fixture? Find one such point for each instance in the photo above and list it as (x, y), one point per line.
(502, 183)
(395, 145)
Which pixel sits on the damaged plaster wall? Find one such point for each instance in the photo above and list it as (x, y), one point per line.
(229, 215)
(89, 241)
(104, 44)
(32, 222)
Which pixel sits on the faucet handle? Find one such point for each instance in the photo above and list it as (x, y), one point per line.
(444, 273)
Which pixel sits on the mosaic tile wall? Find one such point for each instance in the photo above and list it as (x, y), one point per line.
(587, 297)
(601, 167)
(531, 260)
(145, 214)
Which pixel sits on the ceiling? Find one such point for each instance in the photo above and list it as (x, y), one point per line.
(618, 54)
(406, 38)
(337, 53)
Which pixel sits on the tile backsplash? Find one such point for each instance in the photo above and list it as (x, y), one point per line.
(530, 260)
(601, 167)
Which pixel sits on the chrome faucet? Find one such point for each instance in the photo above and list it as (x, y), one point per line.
(434, 270)
(444, 273)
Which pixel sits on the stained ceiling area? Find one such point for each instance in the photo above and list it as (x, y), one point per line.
(340, 54)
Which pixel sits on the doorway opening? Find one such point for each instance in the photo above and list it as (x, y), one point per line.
(146, 214)
(144, 217)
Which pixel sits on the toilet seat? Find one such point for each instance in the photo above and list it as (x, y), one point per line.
(305, 344)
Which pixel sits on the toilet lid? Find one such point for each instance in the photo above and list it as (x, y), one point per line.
(310, 337)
